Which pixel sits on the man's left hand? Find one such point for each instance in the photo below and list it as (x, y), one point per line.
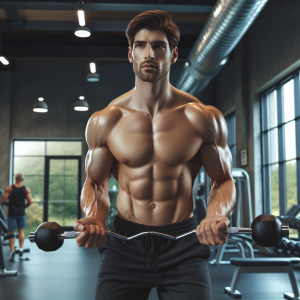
(210, 230)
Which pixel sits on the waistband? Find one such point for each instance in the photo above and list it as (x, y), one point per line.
(128, 228)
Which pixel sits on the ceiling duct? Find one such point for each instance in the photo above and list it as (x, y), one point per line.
(224, 28)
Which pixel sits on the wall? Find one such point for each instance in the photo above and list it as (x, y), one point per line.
(268, 52)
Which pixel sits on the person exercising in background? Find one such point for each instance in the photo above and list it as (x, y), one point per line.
(16, 193)
(154, 139)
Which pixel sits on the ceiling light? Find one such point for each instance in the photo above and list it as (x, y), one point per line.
(93, 77)
(82, 32)
(81, 105)
(40, 106)
(93, 67)
(4, 60)
(81, 18)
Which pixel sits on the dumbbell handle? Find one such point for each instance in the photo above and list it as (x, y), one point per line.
(230, 230)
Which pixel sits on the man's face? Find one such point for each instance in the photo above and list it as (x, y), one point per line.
(151, 55)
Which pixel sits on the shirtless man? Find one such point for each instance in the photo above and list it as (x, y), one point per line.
(16, 193)
(154, 140)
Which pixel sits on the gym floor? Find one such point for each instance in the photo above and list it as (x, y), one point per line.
(71, 272)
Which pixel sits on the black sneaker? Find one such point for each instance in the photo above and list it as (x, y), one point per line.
(20, 253)
(12, 256)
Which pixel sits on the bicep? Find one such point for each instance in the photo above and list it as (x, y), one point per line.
(217, 162)
(98, 164)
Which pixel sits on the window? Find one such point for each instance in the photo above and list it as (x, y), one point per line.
(230, 120)
(52, 171)
(280, 109)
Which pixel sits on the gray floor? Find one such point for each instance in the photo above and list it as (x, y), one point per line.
(70, 273)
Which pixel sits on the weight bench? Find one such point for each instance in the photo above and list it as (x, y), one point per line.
(242, 241)
(263, 265)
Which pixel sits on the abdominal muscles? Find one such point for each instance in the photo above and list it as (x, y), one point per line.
(155, 194)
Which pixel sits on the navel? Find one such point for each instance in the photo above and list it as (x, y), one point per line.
(153, 205)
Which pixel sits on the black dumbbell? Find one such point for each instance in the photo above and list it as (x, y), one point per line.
(266, 231)
(297, 249)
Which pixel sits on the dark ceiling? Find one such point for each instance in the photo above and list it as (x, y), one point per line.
(24, 24)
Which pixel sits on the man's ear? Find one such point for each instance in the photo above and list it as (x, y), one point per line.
(130, 58)
(174, 55)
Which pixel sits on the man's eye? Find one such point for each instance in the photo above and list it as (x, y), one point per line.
(139, 45)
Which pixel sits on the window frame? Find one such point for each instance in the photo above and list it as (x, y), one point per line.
(48, 157)
(282, 161)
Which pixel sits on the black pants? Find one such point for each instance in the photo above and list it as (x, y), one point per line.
(177, 268)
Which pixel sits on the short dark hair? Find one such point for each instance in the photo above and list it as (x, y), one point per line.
(154, 20)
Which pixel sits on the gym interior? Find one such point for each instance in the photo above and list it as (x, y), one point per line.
(57, 69)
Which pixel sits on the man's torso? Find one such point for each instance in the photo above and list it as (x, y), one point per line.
(155, 161)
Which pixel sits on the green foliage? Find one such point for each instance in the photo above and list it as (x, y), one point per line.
(291, 184)
(34, 215)
(63, 148)
(291, 187)
(29, 165)
(275, 192)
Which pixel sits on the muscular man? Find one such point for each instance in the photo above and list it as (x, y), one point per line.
(17, 193)
(154, 140)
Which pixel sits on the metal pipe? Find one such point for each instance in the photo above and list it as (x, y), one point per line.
(224, 28)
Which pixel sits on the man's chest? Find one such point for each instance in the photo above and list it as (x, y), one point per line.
(169, 139)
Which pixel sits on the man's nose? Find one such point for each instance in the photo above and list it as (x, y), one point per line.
(149, 53)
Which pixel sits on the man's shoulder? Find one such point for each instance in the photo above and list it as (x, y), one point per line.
(9, 188)
(195, 106)
(106, 116)
(102, 122)
(111, 114)
(198, 110)
(207, 119)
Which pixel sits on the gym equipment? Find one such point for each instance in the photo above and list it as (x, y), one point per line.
(272, 265)
(266, 231)
(292, 217)
(289, 247)
(4, 229)
(200, 202)
(239, 217)
(263, 265)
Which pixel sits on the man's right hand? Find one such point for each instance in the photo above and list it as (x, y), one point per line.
(92, 232)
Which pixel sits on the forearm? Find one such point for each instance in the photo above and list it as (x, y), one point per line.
(27, 204)
(94, 201)
(5, 203)
(221, 199)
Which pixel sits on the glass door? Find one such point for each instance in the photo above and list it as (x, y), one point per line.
(62, 190)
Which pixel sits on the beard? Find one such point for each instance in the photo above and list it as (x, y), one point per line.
(151, 75)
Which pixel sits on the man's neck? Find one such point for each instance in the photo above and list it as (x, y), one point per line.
(18, 184)
(151, 97)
